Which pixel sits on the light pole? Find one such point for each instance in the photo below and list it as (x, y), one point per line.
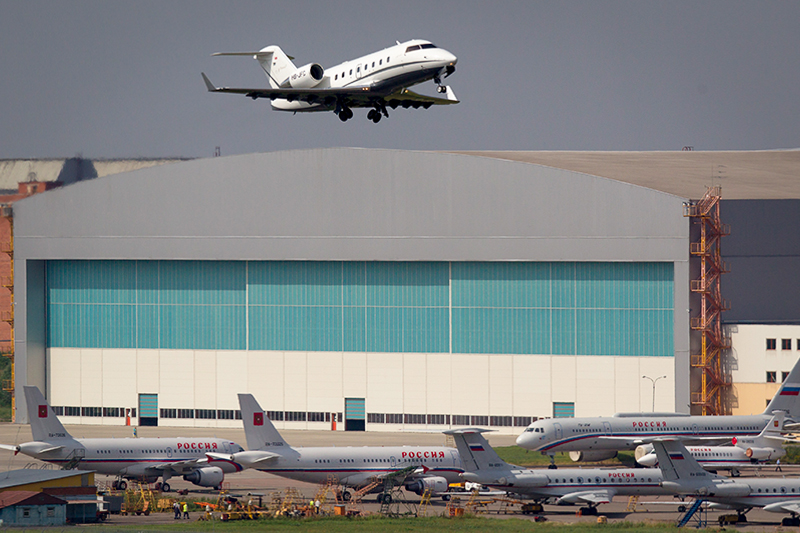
(654, 388)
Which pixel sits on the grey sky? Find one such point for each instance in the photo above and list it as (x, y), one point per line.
(122, 78)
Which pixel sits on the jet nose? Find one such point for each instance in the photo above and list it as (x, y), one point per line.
(523, 440)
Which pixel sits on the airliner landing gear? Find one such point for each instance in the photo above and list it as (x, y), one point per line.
(119, 484)
(552, 465)
(374, 115)
(345, 114)
(587, 511)
(165, 487)
(346, 495)
(441, 89)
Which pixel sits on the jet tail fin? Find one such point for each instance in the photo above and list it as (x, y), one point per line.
(676, 462)
(787, 398)
(276, 64)
(475, 451)
(45, 425)
(258, 428)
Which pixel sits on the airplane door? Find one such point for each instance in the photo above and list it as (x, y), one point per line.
(607, 428)
(695, 429)
(559, 432)
(169, 451)
(226, 447)
(358, 72)
(392, 461)
(456, 459)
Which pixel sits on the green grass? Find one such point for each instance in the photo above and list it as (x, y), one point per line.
(519, 456)
(391, 525)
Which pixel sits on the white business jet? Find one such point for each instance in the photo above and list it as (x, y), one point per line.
(745, 452)
(427, 467)
(588, 486)
(595, 439)
(683, 476)
(374, 81)
(141, 459)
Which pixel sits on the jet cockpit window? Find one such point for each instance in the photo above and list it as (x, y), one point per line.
(412, 48)
(428, 45)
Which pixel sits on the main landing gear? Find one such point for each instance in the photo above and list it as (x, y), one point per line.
(119, 484)
(345, 114)
(552, 465)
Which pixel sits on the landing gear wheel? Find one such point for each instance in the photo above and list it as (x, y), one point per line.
(379, 498)
(792, 521)
(346, 496)
(376, 117)
(371, 114)
(743, 518)
(345, 114)
(387, 498)
(122, 485)
(446, 497)
(441, 89)
(165, 487)
(552, 467)
(588, 511)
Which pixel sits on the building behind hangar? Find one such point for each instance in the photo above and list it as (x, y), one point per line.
(398, 288)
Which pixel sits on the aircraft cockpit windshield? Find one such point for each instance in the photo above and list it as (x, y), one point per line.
(534, 430)
(420, 47)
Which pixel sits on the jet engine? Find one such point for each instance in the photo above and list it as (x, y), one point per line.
(437, 484)
(307, 76)
(764, 454)
(643, 450)
(210, 476)
(588, 457)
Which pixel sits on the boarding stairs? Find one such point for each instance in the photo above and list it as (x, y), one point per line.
(696, 506)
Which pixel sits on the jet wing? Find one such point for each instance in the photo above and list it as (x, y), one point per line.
(180, 467)
(595, 497)
(788, 506)
(351, 97)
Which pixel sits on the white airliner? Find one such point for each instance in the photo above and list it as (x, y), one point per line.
(589, 486)
(600, 438)
(434, 467)
(375, 81)
(142, 459)
(744, 453)
(684, 476)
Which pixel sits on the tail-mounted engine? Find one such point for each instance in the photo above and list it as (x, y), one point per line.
(306, 77)
(590, 457)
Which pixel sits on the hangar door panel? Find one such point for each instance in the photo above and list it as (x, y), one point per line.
(354, 414)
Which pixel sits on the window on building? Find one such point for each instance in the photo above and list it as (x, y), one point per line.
(225, 414)
(185, 413)
(436, 420)
(394, 418)
(460, 420)
(500, 421)
(72, 411)
(479, 420)
(771, 377)
(168, 413)
(375, 418)
(317, 416)
(771, 343)
(784, 375)
(414, 419)
(786, 344)
(523, 421)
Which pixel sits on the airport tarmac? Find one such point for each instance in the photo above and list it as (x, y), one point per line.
(657, 509)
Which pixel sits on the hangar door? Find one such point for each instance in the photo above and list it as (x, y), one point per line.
(354, 414)
(148, 409)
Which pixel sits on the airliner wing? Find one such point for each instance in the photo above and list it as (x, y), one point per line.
(789, 506)
(181, 467)
(351, 97)
(595, 497)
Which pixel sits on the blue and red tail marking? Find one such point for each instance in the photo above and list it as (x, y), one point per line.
(676, 456)
(790, 390)
(476, 448)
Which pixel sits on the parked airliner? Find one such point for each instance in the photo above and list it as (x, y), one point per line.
(601, 437)
(142, 459)
(435, 466)
(375, 81)
(589, 486)
(745, 452)
(684, 476)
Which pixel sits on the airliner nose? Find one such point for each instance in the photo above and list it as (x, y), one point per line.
(522, 440)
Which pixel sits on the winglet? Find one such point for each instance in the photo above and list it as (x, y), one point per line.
(210, 86)
(451, 95)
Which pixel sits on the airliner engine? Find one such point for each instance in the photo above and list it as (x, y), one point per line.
(764, 454)
(307, 76)
(437, 484)
(210, 476)
(588, 457)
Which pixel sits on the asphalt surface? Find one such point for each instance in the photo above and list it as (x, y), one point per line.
(250, 485)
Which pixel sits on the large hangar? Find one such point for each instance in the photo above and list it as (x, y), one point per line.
(394, 289)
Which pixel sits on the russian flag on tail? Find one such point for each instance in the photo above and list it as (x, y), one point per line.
(476, 447)
(675, 456)
(790, 389)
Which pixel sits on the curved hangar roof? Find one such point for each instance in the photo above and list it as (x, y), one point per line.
(352, 204)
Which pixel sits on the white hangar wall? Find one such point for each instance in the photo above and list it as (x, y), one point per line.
(490, 289)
